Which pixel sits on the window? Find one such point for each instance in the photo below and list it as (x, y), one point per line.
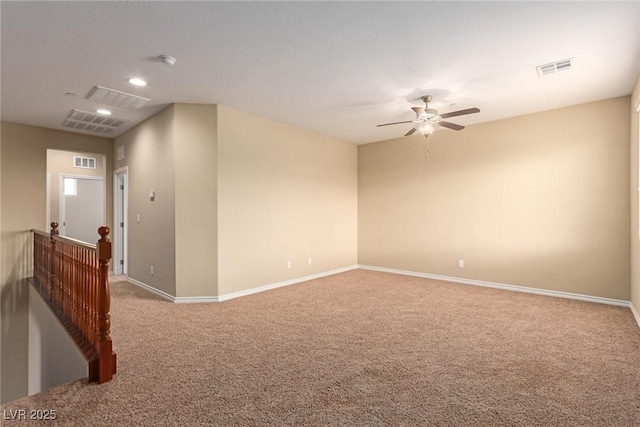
(70, 187)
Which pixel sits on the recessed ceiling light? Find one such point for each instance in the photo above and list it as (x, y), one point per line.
(137, 82)
(104, 112)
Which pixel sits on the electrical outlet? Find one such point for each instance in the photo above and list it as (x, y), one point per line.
(461, 263)
(288, 264)
(151, 270)
(309, 261)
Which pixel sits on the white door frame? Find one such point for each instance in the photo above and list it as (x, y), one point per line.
(47, 226)
(120, 195)
(61, 199)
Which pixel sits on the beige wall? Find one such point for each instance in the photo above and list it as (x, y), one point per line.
(635, 187)
(54, 357)
(61, 162)
(538, 200)
(23, 183)
(174, 154)
(149, 154)
(242, 200)
(283, 194)
(196, 200)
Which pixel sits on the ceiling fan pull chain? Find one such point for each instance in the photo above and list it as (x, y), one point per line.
(427, 147)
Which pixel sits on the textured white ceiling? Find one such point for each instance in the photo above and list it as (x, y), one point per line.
(337, 68)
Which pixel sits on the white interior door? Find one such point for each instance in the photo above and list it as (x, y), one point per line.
(82, 208)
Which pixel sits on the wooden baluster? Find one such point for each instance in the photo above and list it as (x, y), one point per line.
(78, 297)
(92, 313)
(61, 271)
(82, 319)
(86, 286)
(104, 305)
(96, 289)
(36, 258)
(76, 285)
(68, 272)
(72, 286)
(87, 304)
(52, 265)
(68, 280)
(45, 265)
(94, 301)
(75, 253)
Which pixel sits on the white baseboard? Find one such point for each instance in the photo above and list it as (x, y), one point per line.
(635, 313)
(226, 297)
(503, 286)
(285, 283)
(196, 300)
(151, 289)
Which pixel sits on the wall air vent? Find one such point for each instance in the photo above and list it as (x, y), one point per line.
(562, 65)
(91, 122)
(107, 96)
(84, 162)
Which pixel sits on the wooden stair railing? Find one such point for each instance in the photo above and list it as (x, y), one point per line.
(73, 279)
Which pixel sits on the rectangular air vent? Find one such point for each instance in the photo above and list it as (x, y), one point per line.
(562, 65)
(107, 96)
(84, 162)
(91, 122)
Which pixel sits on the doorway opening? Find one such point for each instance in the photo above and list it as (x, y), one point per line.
(76, 193)
(82, 209)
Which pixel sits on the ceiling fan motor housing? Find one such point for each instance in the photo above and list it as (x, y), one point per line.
(428, 115)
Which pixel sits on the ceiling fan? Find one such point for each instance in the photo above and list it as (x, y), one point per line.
(428, 120)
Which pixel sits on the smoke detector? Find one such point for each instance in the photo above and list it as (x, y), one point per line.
(168, 60)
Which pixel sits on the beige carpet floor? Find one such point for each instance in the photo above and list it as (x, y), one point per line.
(361, 348)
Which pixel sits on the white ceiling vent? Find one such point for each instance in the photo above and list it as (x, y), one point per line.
(107, 96)
(91, 122)
(562, 65)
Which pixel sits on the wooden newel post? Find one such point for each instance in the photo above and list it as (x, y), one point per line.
(54, 229)
(104, 305)
(52, 262)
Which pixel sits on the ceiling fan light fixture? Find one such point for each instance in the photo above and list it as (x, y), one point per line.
(428, 120)
(426, 128)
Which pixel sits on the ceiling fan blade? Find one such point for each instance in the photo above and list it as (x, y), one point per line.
(418, 110)
(460, 112)
(451, 125)
(410, 132)
(395, 123)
